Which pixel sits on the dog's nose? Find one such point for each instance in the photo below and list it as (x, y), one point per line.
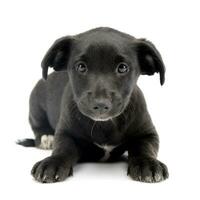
(101, 106)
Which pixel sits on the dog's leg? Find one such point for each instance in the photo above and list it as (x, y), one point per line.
(44, 133)
(59, 165)
(143, 165)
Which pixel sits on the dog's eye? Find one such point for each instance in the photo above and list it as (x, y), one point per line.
(122, 68)
(81, 68)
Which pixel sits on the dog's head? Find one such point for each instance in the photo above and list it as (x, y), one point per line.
(103, 66)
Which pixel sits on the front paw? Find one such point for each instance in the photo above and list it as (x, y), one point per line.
(51, 169)
(147, 170)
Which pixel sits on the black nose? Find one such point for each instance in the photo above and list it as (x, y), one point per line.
(101, 106)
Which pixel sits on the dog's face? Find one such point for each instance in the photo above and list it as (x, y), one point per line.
(103, 67)
(102, 76)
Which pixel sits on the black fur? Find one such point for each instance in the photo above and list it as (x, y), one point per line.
(26, 142)
(90, 88)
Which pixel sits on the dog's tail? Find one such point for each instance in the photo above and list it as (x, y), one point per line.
(26, 142)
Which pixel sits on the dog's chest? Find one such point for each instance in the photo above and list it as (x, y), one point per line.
(107, 150)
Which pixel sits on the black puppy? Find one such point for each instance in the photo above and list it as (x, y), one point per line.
(94, 107)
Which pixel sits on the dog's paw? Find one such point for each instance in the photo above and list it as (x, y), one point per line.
(47, 142)
(147, 170)
(50, 170)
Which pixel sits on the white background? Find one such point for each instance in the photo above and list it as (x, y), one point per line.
(28, 28)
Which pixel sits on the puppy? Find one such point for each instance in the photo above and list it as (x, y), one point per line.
(91, 108)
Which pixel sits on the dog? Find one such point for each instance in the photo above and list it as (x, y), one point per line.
(91, 109)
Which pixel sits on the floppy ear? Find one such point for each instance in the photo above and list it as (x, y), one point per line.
(150, 60)
(57, 56)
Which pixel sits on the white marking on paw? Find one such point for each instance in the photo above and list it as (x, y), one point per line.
(148, 179)
(44, 178)
(47, 142)
(57, 177)
(158, 177)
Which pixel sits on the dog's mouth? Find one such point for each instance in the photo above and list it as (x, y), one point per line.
(101, 112)
(100, 117)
